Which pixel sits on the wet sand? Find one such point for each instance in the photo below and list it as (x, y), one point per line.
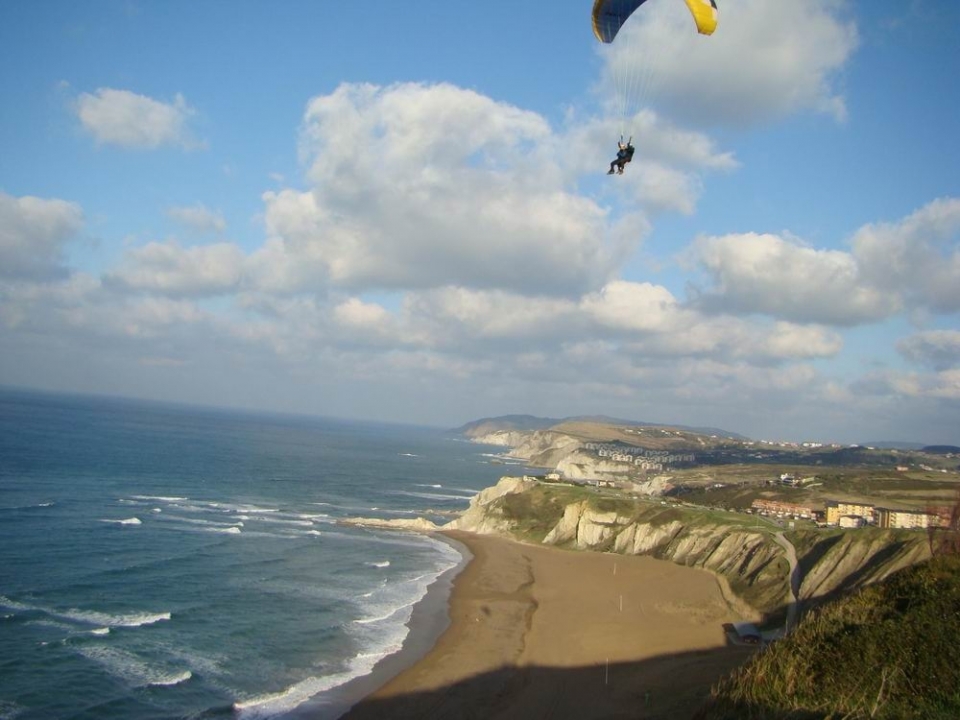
(537, 632)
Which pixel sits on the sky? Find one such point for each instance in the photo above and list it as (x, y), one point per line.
(400, 211)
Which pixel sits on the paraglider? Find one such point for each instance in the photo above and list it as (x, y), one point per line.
(609, 17)
(624, 155)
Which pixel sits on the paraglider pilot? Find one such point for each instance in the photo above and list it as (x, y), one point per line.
(624, 155)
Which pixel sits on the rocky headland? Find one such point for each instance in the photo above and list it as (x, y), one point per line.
(751, 563)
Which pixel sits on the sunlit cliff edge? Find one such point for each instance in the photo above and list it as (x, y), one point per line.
(750, 564)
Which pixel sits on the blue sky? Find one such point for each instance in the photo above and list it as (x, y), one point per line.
(399, 211)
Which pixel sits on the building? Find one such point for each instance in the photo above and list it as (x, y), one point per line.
(907, 519)
(851, 521)
(776, 507)
(837, 510)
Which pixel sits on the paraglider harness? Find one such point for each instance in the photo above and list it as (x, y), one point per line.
(624, 155)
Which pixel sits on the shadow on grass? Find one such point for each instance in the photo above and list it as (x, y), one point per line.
(666, 687)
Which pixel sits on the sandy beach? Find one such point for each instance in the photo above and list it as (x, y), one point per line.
(538, 632)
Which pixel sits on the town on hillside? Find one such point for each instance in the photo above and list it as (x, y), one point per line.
(821, 484)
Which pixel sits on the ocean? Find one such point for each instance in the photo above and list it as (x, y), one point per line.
(159, 561)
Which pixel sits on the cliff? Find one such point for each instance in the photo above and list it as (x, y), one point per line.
(557, 451)
(755, 566)
(751, 562)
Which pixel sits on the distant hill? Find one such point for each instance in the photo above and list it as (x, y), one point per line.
(941, 449)
(509, 423)
(523, 423)
(893, 445)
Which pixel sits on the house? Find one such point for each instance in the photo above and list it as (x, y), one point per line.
(776, 507)
(837, 510)
(908, 519)
(851, 521)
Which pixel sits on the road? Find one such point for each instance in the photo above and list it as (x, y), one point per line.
(791, 553)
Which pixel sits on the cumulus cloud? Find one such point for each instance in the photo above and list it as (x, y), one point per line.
(766, 60)
(168, 268)
(33, 234)
(763, 273)
(941, 385)
(670, 162)
(910, 264)
(425, 186)
(917, 257)
(939, 349)
(126, 119)
(199, 218)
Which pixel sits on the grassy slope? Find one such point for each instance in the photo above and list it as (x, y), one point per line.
(890, 651)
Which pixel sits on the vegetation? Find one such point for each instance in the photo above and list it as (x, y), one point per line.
(892, 650)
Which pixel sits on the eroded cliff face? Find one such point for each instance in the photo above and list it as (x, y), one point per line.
(751, 564)
(540, 448)
(482, 516)
(559, 452)
(853, 559)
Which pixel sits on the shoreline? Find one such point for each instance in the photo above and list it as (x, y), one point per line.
(537, 631)
(429, 620)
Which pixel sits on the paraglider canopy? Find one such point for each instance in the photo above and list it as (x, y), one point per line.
(610, 15)
(632, 68)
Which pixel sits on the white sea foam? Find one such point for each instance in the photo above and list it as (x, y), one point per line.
(432, 496)
(161, 498)
(13, 604)
(380, 564)
(10, 710)
(95, 617)
(172, 679)
(197, 521)
(270, 705)
(226, 530)
(90, 617)
(466, 491)
(132, 668)
(381, 633)
(100, 631)
(127, 521)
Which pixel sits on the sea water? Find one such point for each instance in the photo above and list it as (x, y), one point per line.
(167, 562)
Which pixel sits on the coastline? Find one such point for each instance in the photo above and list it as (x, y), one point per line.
(535, 631)
(429, 620)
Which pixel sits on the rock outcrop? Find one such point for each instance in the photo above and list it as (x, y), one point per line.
(854, 559)
(750, 563)
(409, 524)
(480, 518)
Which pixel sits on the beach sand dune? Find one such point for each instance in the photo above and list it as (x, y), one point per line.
(538, 632)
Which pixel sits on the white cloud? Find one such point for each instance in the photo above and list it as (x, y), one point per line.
(780, 277)
(913, 263)
(199, 218)
(168, 268)
(666, 175)
(765, 60)
(427, 186)
(633, 307)
(917, 257)
(357, 313)
(124, 118)
(33, 234)
(939, 349)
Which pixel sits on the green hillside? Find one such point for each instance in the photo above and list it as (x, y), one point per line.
(891, 651)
